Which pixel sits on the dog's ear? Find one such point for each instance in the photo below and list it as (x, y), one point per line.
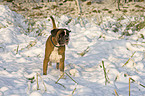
(54, 32)
(67, 30)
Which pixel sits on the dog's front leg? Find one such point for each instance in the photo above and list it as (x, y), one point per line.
(61, 66)
(48, 51)
(45, 65)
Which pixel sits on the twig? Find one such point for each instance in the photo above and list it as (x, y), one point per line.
(42, 82)
(105, 74)
(116, 93)
(129, 86)
(79, 7)
(113, 2)
(138, 45)
(74, 81)
(59, 78)
(29, 87)
(56, 1)
(37, 81)
(118, 3)
(32, 43)
(71, 78)
(137, 82)
(60, 83)
(17, 49)
(129, 59)
(79, 12)
(84, 52)
(75, 88)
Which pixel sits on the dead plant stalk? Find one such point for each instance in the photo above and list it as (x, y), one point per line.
(105, 74)
(129, 59)
(41, 80)
(116, 94)
(129, 86)
(70, 78)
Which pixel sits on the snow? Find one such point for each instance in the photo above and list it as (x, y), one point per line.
(20, 65)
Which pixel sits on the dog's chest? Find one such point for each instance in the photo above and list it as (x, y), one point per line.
(55, 57)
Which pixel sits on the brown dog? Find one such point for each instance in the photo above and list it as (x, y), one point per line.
(55, 48)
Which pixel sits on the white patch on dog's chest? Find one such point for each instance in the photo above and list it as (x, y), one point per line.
(55, 57)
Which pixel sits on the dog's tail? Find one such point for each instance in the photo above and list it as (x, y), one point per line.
(53, 22)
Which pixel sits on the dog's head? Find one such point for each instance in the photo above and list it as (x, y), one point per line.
(61, 35)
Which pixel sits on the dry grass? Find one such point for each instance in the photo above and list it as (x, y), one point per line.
(89, 9)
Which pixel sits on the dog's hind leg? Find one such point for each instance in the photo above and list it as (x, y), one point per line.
(57, 65)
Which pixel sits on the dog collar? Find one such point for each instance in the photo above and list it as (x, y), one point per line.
(54, 44)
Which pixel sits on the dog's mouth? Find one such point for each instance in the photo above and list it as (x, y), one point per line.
(67, 40)
(63, 43)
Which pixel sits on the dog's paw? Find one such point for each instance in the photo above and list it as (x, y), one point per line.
(44, 73)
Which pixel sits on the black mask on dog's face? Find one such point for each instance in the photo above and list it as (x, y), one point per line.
(62, 36)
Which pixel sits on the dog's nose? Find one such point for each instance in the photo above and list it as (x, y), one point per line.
(67, 39)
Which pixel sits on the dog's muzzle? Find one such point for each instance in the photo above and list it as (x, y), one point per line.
(63, 40)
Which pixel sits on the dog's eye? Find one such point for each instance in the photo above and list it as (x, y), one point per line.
(66, 33)
(61, 35)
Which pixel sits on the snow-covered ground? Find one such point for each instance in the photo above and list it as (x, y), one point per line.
(21, 64)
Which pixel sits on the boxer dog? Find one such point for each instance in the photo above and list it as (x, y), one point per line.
(55, 48)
